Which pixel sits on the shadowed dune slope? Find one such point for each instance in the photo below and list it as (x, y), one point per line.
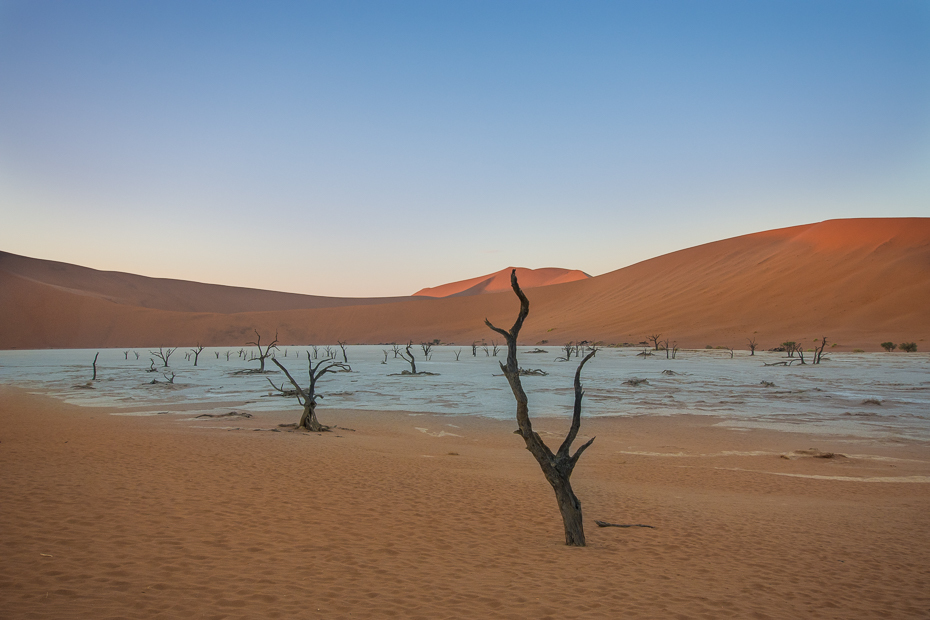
(500, 281)
(163, 293)
(858, 282)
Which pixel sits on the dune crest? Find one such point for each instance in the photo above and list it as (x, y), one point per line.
(859, 282)
(500, 281)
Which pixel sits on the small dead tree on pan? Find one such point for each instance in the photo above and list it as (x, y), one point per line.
(655, 340)
(396, 349)
(342, 345)
(556, 467)
(385, 355)
(474, 349)
(197, 352)
(307, 397)
(95, 366)
(457, 353)
(496, 348)
(265, 353)
(427, 347)
(818, 352)
(408, 357)
(752, 346)
(163, 355)
(126, 353)
(568, 348)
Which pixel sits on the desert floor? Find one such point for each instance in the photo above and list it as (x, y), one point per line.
(425, 516)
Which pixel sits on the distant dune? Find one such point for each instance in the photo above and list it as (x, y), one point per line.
(500, 281)
(858, 282)
(165, 294)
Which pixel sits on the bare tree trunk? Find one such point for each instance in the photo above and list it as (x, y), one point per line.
(818, 353)
(409, 358)
(95, 366)
(557, 468)
(308, 419)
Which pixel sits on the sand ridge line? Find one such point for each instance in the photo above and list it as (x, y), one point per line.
(891, 479)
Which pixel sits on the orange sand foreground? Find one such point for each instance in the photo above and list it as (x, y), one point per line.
(445, 517)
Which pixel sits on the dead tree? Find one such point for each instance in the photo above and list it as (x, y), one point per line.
(426, 346)
(474, 349)
(281, 389)
(197, 352)
(495, 348)
(385, 355)
(217, 354)
(307, 397)
(818, 353)
(568, 353)
(342, 345)
(126, 353)
(752, 346)
(316, 351)
(95, 366)
(163, 355)
(396, 349)
(557, 467)
(151, 367)
(655, 340)
(487, 352)
(457, 353)
(408, 357)
(136, 353)
(790, 347)
(265, 353)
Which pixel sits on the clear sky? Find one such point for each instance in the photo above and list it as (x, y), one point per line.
(374, 148)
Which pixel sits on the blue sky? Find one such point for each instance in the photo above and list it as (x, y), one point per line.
(374, 148)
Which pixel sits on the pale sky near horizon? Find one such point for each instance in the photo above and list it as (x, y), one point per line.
(375, 148)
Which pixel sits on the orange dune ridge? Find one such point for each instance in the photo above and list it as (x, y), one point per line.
(500, 281)
(858, 282)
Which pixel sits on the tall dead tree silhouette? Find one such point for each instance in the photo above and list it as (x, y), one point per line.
(556, 467)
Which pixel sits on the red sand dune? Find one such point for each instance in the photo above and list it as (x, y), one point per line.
(165, 294)
(500, 281)
(859, 282)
